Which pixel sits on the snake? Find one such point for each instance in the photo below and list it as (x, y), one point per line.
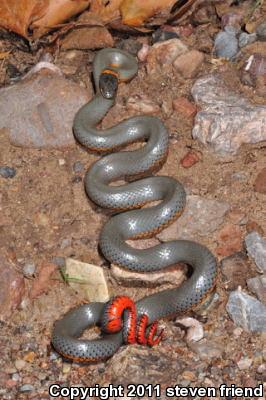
(131, 221)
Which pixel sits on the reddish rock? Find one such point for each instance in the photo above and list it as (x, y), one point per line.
(188, 64)
(260, 182)
(164, 53)
(43, 281)
(190, 159)
(230, 240)
(235, 270)
(183, 106)
(88, 38)
(254, 226)
(12, 289)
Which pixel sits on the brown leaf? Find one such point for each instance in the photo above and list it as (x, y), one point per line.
(57, 12)
(17, 15)
(135, 12)
(106, 11)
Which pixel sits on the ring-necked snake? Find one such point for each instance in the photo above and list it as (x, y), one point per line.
(111, 66)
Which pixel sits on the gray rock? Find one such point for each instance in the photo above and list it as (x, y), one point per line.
(256, 248)
(246, 38)
(200, 218)
(39, 111)
(257, 286)
(226, 120)
(29, 269)
(246, 311)
(226, 43)
(261, 31)
(26, 388)
(7, 172)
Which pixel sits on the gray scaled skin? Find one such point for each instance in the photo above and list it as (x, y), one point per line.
(135, 223)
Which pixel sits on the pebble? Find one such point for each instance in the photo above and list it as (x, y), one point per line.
(229, 240)
(195, 329)
(78, 167)
(261, 31)
(190, 159)
(45, 120)
(255, 65)
(7, 172)
(226, 119)
(193, 224)
(257, 285)
(246, 311)
(232, 19)
(246, 38)
(132, 46)
(207, 349)
(161, 35)
(59, 261)
(188, 64)
(260, 182)
(235, 269)
(226, 43)
(61, 162)
(20, 364)
(183, 106)
(256, 248)
(26, 388)
(12, 289)
(29, 269)
(244, 363)
(84, 38)
(164, 53)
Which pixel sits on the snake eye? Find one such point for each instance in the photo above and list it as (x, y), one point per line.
(108, 84)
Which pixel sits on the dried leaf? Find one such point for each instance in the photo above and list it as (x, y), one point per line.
(17, 15)
(58, 12)
(106, 11)
(135, 12)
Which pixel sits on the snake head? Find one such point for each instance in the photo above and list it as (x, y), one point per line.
(108, 84)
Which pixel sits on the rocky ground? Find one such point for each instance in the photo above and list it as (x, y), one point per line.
(46, 218)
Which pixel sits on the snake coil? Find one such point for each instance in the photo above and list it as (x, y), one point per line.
(111, 65)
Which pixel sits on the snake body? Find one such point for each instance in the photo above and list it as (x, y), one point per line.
(134, 223)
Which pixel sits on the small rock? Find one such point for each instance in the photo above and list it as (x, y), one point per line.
(66, 367)
(226, 43)
(256, 65)
(232, 19)
(200, 218)
(188, 64)
(42, 283)
(183, 106)
(195, 331)
(190, 159)
(131, 46)
(254, 226)
(207, 349)
(87, 279)
(237, 332)
(20, 364)
(261, 31)
(229, 239)
(46, 118)
(261, 368)
(143, 52)
(12, 289)
(26, 388)
(246, 311)
(246, 38)
(260, 182)
(61, 162)
(189, 375)
(237, 217)
(88, 38)
(161, 35)
(29, 269)
(235, 269)
(164, 53)
(244, 363)
(7, 172)
(142, 104)
(59, 261)
(257, 286)
(226, 119)
(256, 248)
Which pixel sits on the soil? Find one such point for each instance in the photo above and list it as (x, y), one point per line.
(47, 215)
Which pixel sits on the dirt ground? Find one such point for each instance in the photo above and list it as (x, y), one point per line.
(46, 214)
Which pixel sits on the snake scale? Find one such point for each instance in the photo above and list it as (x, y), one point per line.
(111, 66)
